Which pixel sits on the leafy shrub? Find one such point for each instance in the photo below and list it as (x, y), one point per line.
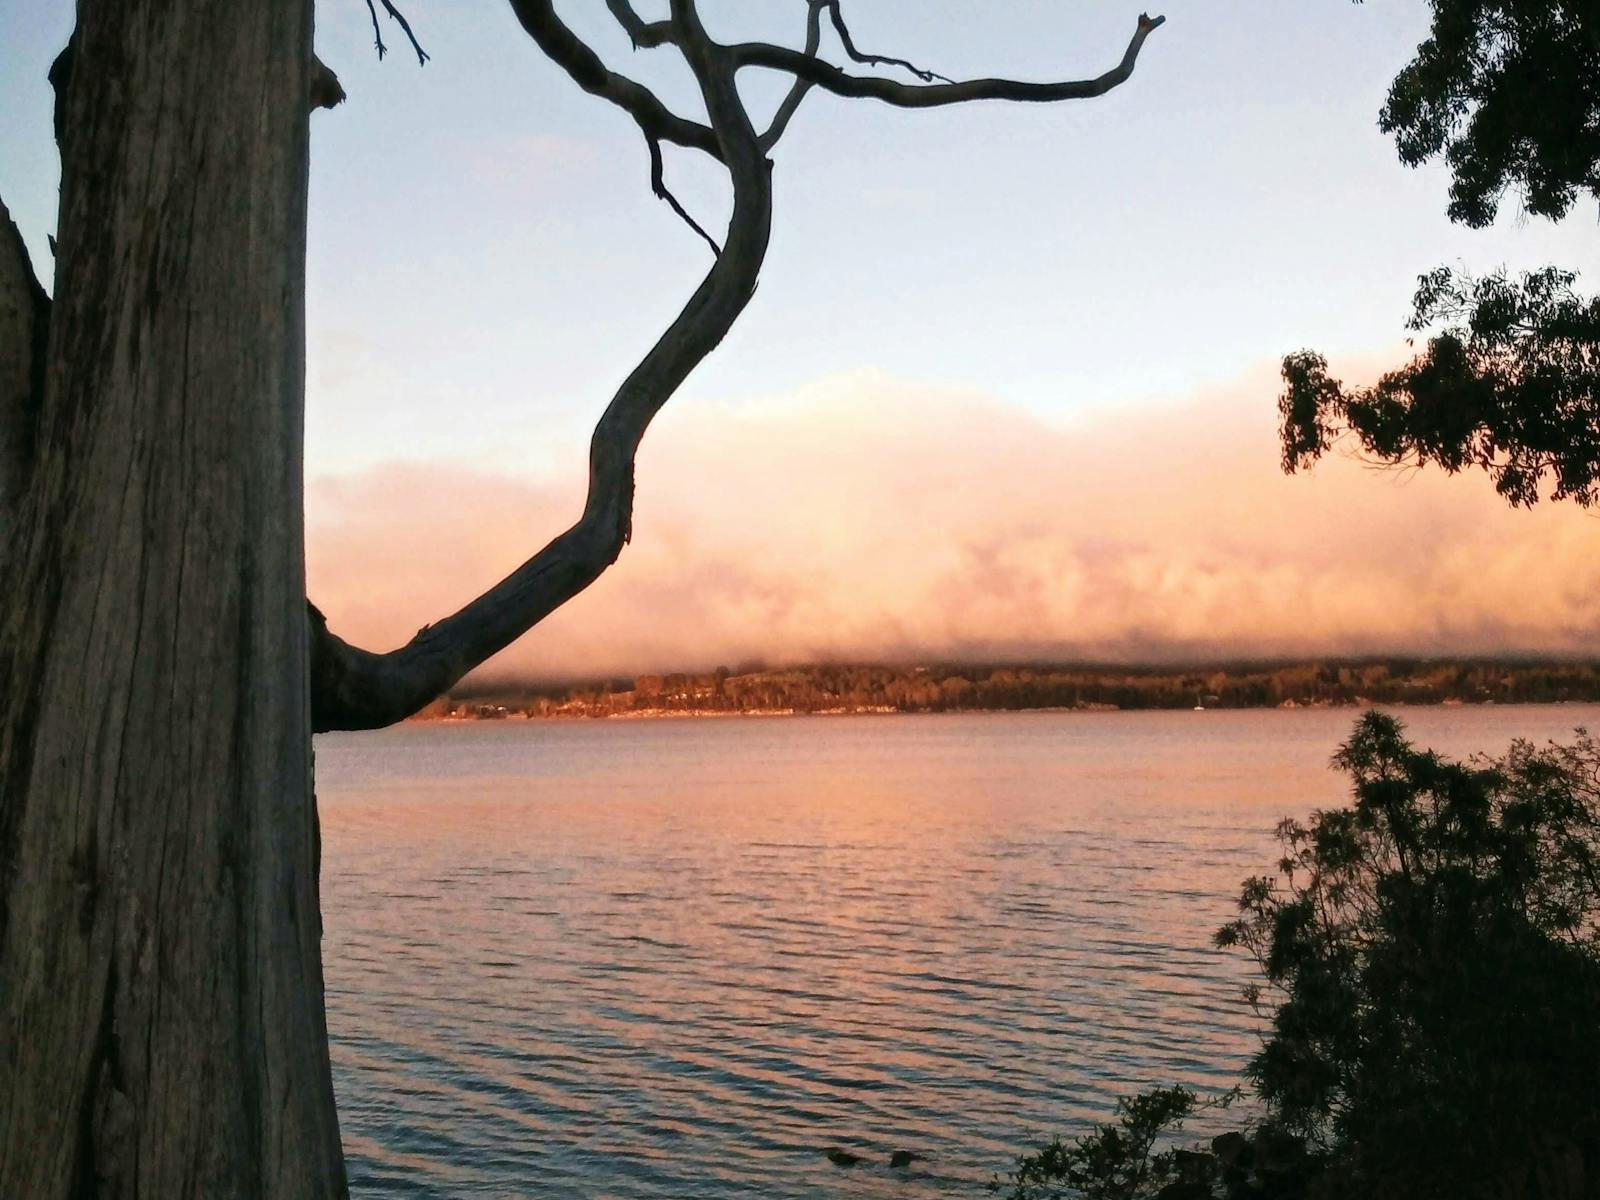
(1117, 1161)
(1431, 959)
(1434, 954)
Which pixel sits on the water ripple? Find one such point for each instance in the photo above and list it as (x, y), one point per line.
(687, 958)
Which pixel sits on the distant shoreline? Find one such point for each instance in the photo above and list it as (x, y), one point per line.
(518, 718)
(842, 691)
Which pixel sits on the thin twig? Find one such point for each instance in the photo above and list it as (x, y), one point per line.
(399, 18)
(658, 185)
(377, 34)
(876, 60)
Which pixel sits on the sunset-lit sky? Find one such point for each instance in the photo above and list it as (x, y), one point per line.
(1006, 388)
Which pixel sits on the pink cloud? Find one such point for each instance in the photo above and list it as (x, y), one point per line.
(868, 518)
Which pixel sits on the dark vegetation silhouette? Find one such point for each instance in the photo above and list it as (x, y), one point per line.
(1507, 93)
(161, 1014)
(1130, 1157)
(1435, 954)
(1430, 964)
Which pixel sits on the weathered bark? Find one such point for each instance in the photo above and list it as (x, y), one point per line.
(161, 1022)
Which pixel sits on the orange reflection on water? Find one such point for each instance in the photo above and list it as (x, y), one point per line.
(683, 958)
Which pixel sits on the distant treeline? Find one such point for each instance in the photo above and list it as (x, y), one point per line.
(966, 688)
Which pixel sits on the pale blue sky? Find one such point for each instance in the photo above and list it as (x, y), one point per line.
(487, 260)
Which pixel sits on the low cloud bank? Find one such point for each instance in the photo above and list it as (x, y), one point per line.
(867, 518)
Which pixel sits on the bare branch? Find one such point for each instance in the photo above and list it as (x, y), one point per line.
(399, 18)
(831, 78)
(356, 689)
(798, 90)
(353, 688)
(377, 32)
(836, 12)
(640, 32)
(658, 185)
(539, 19)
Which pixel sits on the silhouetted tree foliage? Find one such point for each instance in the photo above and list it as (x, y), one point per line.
(1511, 385)
(1432, 958)
(1435, 951)
(1508, 91)
(1118, 1161)
(1508, 94)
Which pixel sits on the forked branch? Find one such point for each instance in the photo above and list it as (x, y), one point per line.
(563, 47)
(398, 18)
(357, 689)
(798, 89)
(847, 44)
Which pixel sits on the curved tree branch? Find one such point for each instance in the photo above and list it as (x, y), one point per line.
(354, 688)
(562, 46)
(841, 83)
(357, 689)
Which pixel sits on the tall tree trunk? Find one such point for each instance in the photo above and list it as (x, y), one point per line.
(161, 1022)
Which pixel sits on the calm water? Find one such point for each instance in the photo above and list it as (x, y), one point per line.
(685, 958)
